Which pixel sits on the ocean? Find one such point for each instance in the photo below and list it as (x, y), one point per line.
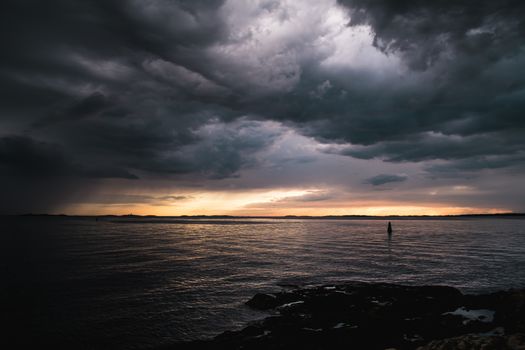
(134, 284)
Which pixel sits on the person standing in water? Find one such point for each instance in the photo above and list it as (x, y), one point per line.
(389, 229)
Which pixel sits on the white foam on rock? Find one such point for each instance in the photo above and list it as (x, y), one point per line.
(482, 315)
(291, 304)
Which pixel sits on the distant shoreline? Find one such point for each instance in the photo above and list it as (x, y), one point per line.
(286, 217)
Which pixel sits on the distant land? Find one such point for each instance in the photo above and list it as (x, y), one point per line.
(288, 217)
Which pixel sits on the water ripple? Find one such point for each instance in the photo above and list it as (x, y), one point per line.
(141, 284)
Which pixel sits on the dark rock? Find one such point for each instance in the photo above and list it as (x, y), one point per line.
(271, 301)
(379, 316)
(477, 342)
(263, 301)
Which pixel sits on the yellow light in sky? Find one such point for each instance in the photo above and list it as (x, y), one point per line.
(202, 203)
(272, 203)
(228, 201)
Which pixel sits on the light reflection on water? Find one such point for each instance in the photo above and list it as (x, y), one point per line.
(126, 285)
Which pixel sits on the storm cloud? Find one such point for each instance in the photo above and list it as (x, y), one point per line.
(385, 179)
(214, 94)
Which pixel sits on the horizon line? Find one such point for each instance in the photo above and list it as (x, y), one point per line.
(271, 216)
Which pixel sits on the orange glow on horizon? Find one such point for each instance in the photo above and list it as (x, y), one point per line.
(370, 211)
(273, 203)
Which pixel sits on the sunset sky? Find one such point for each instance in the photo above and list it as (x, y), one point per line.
(262, 107)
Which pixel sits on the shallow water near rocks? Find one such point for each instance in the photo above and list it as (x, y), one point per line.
(126, 285)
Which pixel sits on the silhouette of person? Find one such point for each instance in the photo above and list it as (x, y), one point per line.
(389, 229)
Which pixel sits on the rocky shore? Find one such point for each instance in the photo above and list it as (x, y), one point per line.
(380, 316)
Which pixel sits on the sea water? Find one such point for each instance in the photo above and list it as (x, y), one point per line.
(127, 284)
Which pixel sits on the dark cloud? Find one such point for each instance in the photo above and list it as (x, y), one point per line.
(425, 32)
(385, 179)
(190, 90)
(84, 108)
(469, 167)
(461, 96)
(432, 146)
(24, 157)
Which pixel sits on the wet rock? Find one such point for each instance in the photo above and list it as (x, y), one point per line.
(516, 341)
(263, 301)
(271, 301)
(379, 316)
(477, 342)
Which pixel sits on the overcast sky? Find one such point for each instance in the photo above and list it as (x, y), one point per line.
(262, 107)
